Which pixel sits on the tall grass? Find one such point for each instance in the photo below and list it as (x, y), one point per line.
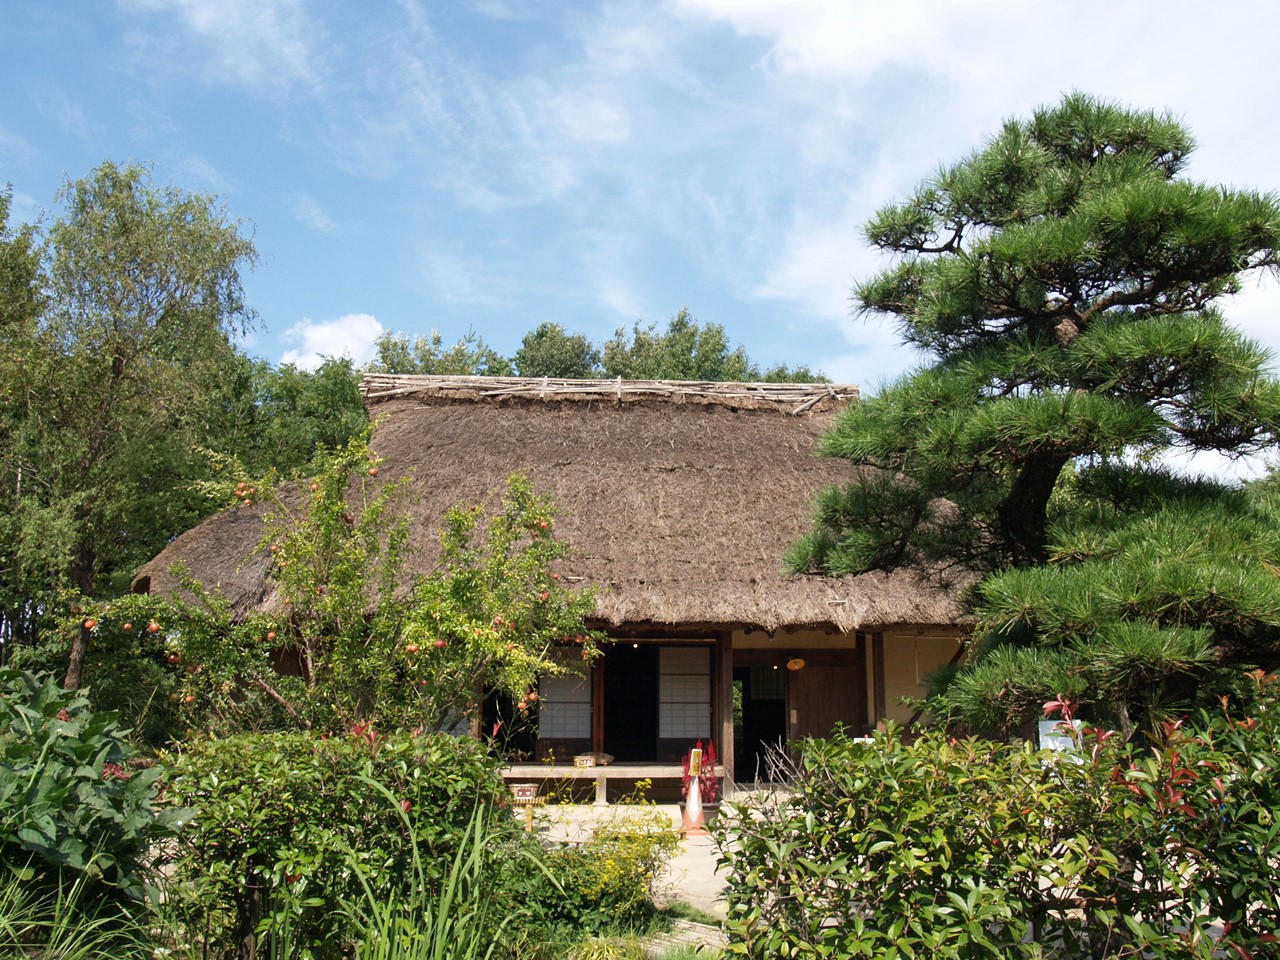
(454, 922)
(64, 921)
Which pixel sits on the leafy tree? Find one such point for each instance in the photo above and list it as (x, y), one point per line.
(357, 639)
(1065, 280)
(282, 418)
(21, 580)
(684, 351)
(780, 373)
(139, 295)
(550, 352)
(687, 351)
(401, 353)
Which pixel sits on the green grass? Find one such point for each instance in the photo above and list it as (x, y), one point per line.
(63, 924)
(454, 923)
(679, 910)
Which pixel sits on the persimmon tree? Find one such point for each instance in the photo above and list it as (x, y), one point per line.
(1066, 282)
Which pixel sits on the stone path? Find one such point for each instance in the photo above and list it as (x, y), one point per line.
(686, 933)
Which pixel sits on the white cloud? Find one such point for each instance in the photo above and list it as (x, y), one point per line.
(1255, 310)
(607, 267)
(589, 114)
(458, 279)
(307, 211)
(1207, 463)
(812, 266)
(268, 47)
(70, 117)
(197, 173)
(352, 335)
(16, 151)
(743, 142)
(23, 208)
(870, 98)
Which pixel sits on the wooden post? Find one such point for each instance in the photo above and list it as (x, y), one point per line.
(877, 673)
(864, 722)
(723, 702)
(597, 706)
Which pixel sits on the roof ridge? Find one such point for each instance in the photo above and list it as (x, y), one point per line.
(376, 387)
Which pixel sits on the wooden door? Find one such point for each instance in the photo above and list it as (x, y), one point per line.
(824, 693)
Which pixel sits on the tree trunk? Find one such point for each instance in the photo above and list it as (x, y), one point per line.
(1023, 513)
(1126, 724)
(86, 560)
(248, 913)
(75, 663)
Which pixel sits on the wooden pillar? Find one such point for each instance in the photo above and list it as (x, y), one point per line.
(862, 720)
(597, 706)
(722, 701)
(877, 675)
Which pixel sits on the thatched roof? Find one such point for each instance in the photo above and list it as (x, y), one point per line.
(678, 499)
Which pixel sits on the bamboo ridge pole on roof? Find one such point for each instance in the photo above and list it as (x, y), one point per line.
(800, 397)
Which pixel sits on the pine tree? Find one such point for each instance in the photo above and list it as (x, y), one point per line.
(1065, 280)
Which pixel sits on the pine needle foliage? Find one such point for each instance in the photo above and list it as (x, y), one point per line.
(1065, 281)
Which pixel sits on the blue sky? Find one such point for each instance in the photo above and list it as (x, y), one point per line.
(493, 164)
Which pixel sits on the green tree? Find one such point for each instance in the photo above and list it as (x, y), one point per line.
(360, 639)
(470, 356)
(687, 351)
(684, 351)
(283, 418)
(22, 573)
(140, 295)
(1064, 279)
(550, 352)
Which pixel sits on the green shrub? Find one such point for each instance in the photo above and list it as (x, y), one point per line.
(603, 886)
(72, 808)
(287, 826)
(976, 849)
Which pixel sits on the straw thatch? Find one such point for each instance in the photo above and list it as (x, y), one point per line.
(678, 499)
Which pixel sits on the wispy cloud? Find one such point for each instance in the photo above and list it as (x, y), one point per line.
(307, 211)
(271, 48)
(353, 335)
(457, 279)
(197, 173)
(612, 283)
(16, 151)
(69, 116)
(627, 153)
(871, 98)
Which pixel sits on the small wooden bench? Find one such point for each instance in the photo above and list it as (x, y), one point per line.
(601, 774)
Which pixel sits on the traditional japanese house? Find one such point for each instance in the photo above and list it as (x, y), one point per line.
(679, 500)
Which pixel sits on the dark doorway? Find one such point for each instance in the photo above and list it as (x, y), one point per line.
(762, 693)
(631, 702)
(513, 733)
